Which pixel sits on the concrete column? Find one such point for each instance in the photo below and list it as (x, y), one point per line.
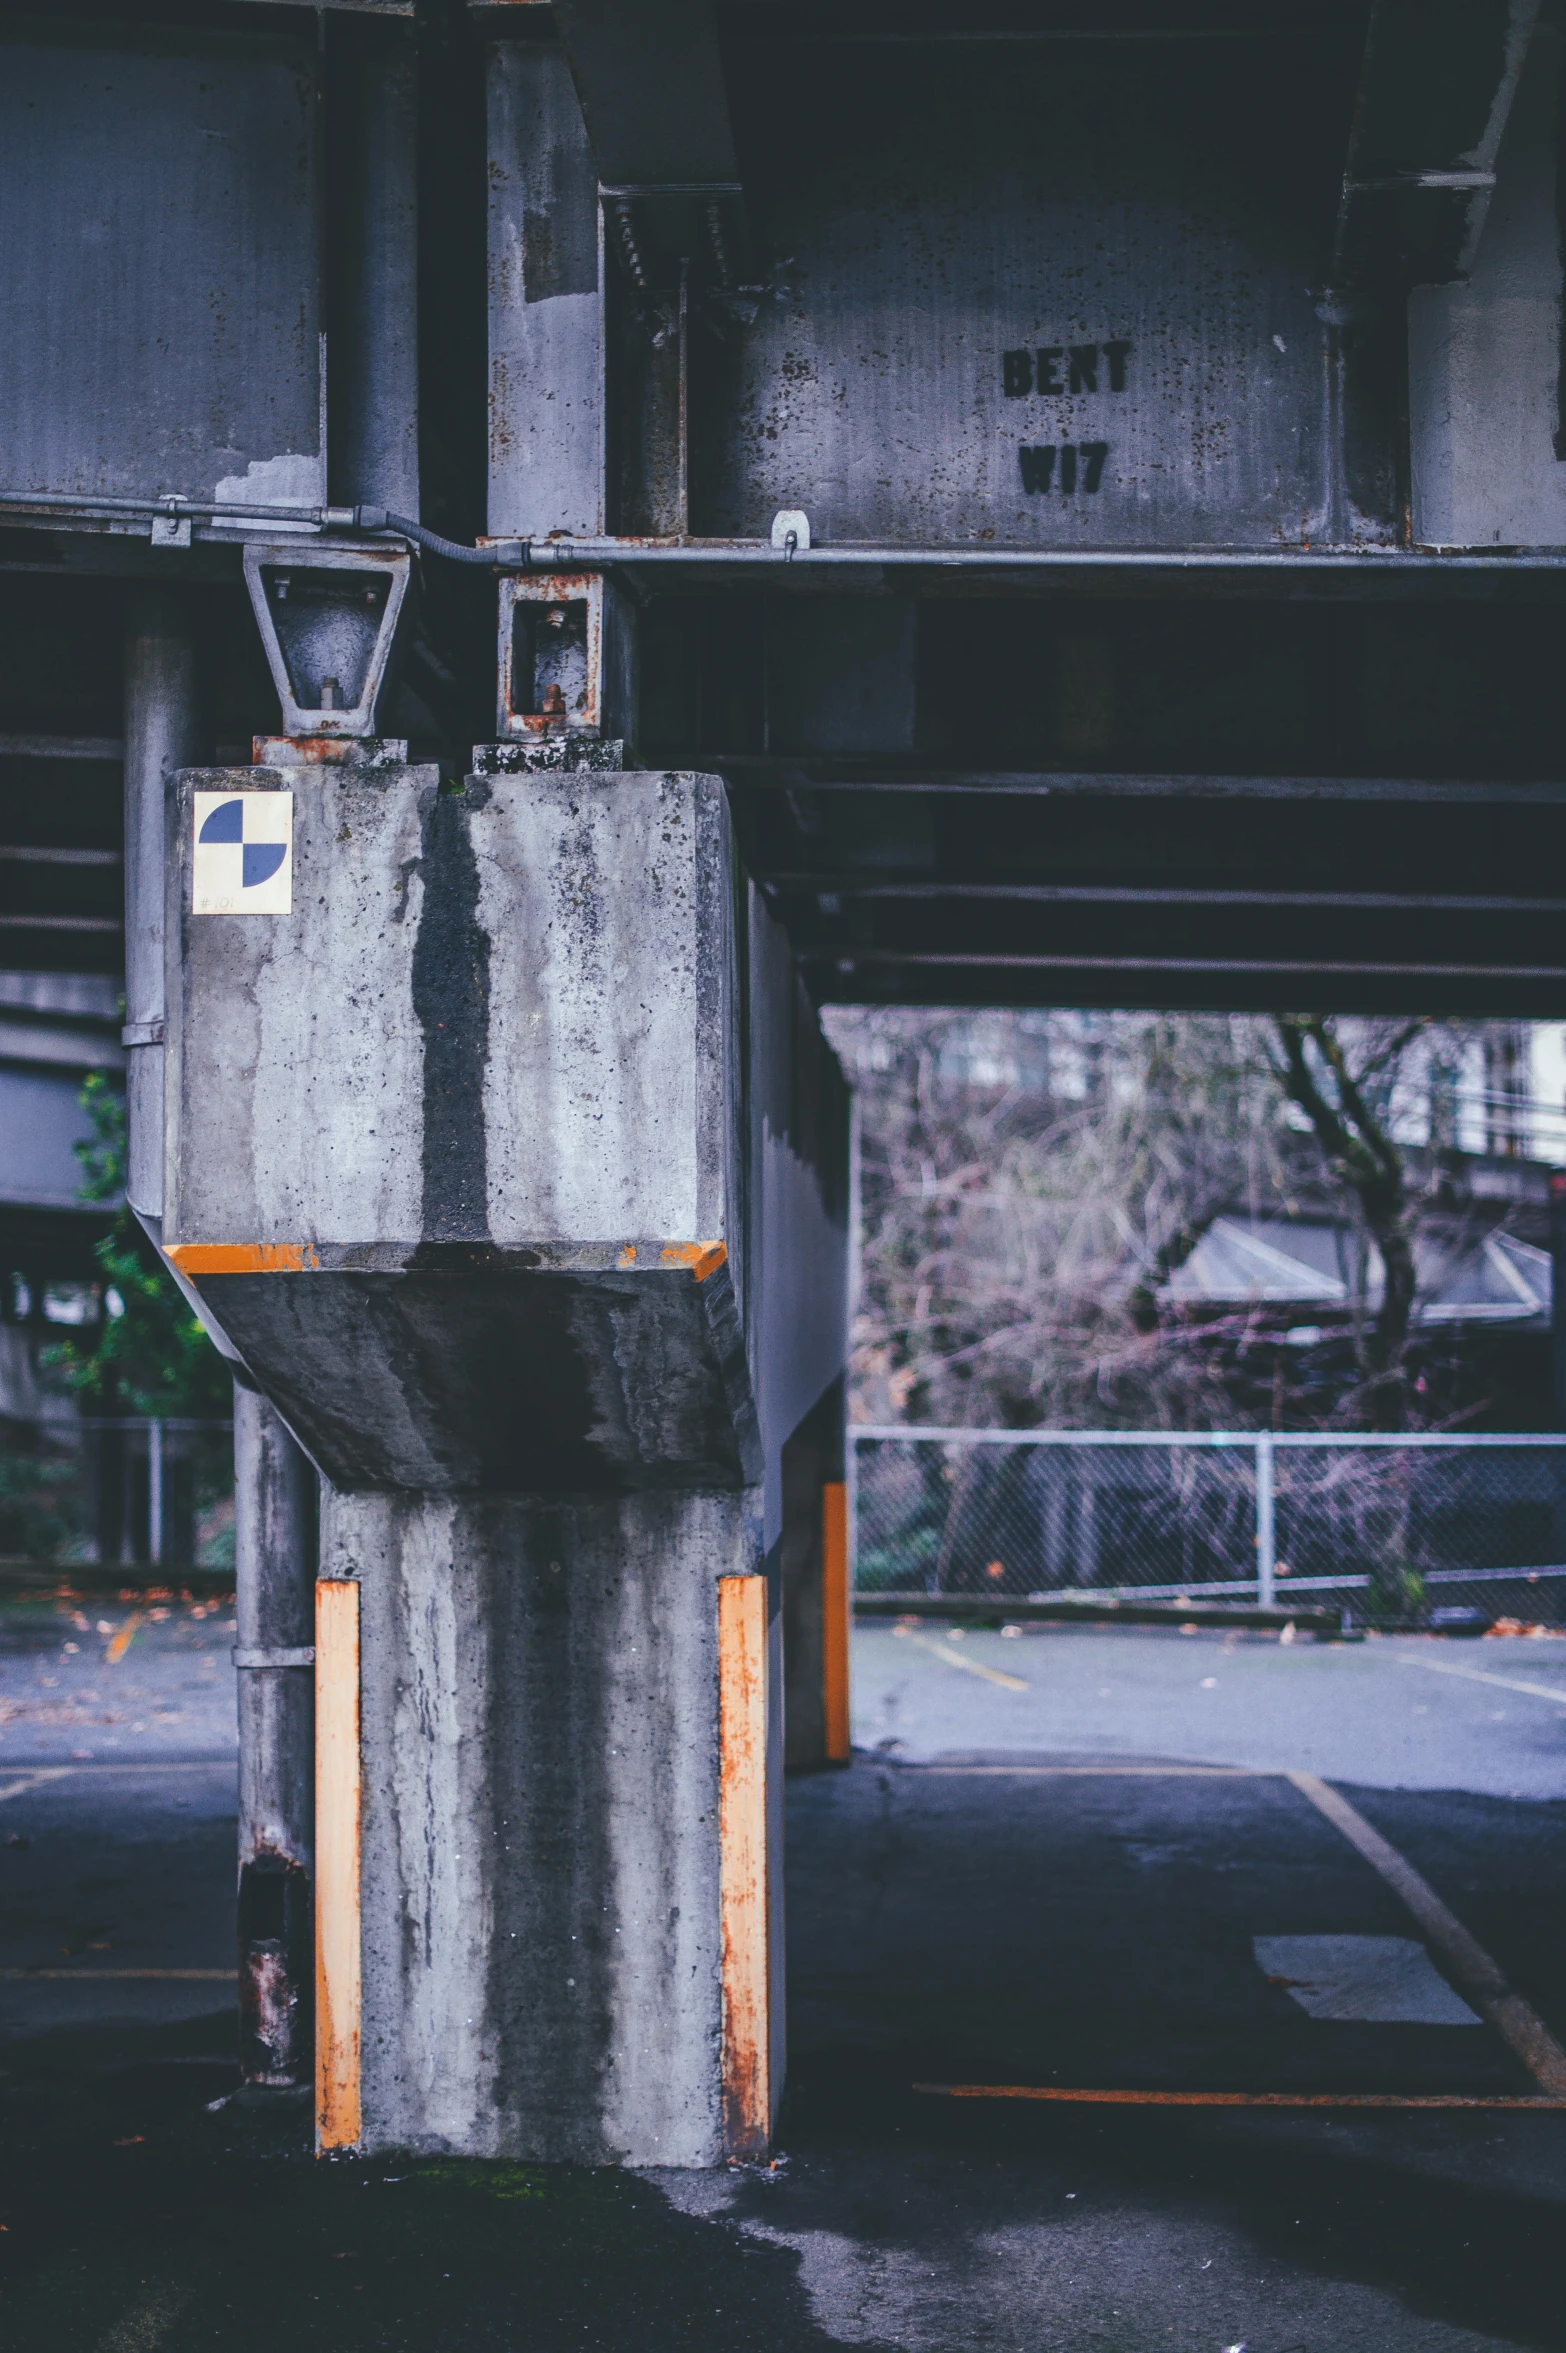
(373, 391)
(541, 1900)
(546, 363)
(161, 737)
(810, 1575)
(275, 1489)
(540, 1251)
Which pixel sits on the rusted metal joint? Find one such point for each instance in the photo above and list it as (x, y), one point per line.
(620, 212)
(276, 1973)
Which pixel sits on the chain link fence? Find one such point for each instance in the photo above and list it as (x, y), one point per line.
(1392, 1530)
(116, 1492)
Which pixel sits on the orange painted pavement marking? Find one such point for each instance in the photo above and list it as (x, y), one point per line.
(1133, 2099)
(123, 1640)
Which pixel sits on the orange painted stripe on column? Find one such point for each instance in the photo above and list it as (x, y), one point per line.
(742, 1863)
(836, 1620)
(337, 1984)
(703, 1258)
(243, 1258)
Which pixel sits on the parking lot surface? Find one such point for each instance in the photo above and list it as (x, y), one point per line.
(1029, 1875)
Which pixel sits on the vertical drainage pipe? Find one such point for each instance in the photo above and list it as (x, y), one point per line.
(161, 737)
(276, 1515)
(374, 97)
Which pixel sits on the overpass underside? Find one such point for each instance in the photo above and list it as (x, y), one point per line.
(627, 520)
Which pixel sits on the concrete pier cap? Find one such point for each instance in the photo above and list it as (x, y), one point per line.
(504, 1150)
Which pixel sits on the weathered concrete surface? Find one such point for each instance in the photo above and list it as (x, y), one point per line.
(296, 1059)
(796, 1275)
(546, 428)
(482, 1077)
(794, 1270)
(1484, 354)
(470, 1371)
(275, 1529)
(606, 903)
(514, 1163)
(517, 992)
(939, 214)
(169, 190)
(541, 1858)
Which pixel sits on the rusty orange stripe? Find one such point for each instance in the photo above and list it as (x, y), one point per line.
(837, 1617)
(338, 1989)
(703, 1258)
(746, 1965)
(243, 1258)
(1134, 2099)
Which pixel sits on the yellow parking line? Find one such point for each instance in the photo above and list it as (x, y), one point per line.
(227, 1764)
(1470, 1965)
(1478, 1675)
(32, 1780)
(955, 1658)
(1098, 1772)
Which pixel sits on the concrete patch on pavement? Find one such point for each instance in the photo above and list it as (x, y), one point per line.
(1382, 1980)
(927, 2254)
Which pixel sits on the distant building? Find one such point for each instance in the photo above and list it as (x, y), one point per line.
(1279, 1295)
(55, 1028)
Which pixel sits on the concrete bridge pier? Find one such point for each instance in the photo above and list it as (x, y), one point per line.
(504, 1150)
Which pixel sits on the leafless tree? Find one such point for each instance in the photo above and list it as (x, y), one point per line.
(1032, 1182)
(1345, 1094)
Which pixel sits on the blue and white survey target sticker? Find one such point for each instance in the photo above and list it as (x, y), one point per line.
(243, 860)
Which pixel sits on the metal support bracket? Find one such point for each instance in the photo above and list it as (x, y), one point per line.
(329, 620)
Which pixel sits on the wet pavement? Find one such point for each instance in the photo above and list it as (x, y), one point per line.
(94, 1676)
(1026, 1887)
(1393, 1712)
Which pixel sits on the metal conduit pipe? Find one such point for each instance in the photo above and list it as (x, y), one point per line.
(275, 1504)
(601, 555)
(161, 737)
(276, 1499)
(79, 506)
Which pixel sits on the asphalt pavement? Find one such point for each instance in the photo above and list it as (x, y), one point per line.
(1392, 1712)
(1069, 1861)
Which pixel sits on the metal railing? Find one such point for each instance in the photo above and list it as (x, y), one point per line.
(120, 1490)
(1390, 1528)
